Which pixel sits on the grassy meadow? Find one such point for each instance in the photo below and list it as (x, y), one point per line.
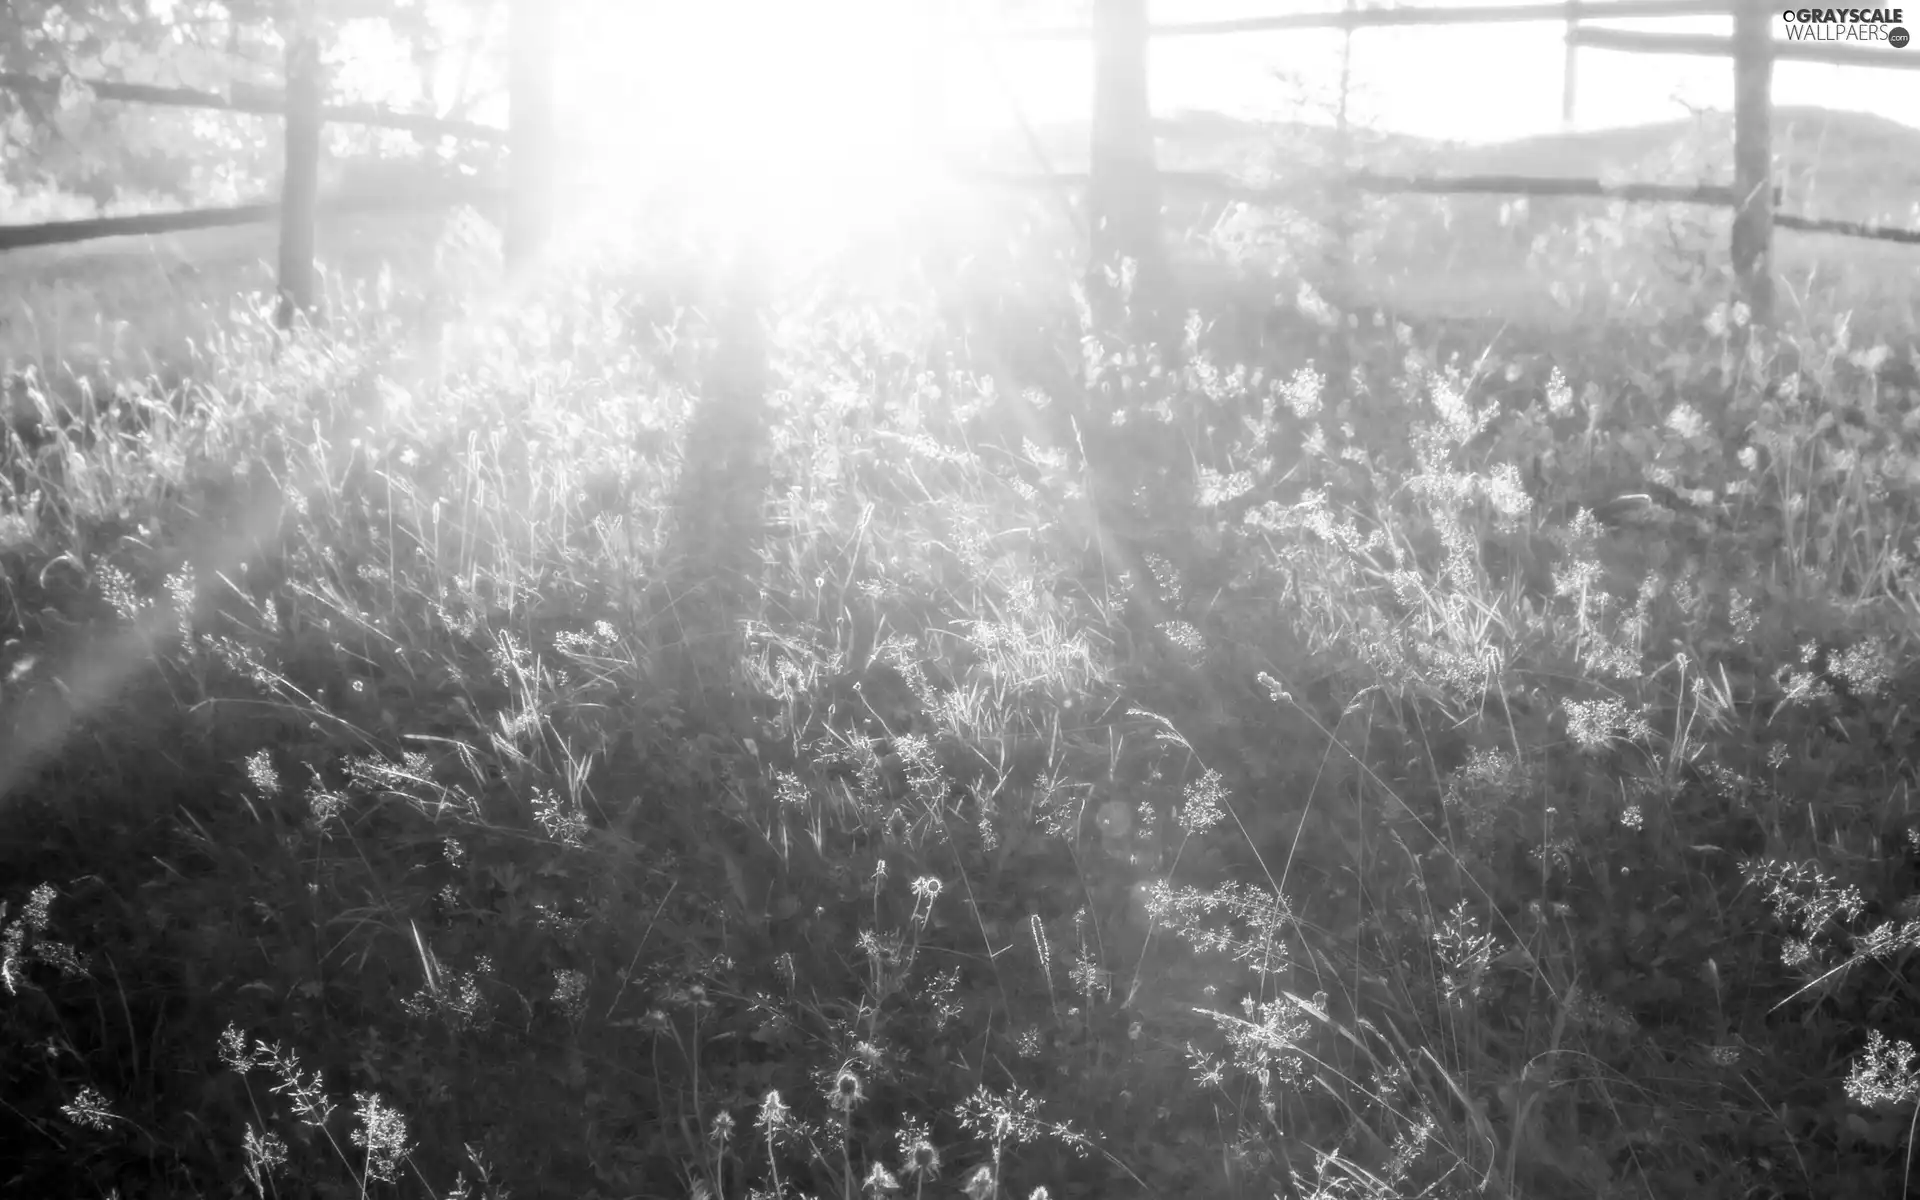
(690, 725)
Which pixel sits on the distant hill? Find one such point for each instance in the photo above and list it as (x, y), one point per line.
(1832, 163)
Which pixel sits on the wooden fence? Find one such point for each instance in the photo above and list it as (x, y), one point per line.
(1752, 48)
(305, 112)
(1123, 185)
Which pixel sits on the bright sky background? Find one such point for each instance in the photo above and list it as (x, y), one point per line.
(810, 106)
(1472, 83)
(1495, 82)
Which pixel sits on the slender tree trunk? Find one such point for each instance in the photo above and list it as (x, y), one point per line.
(1753, 155)
(530, 133)
(1569, 72)
(930, 95)
(1139, 464)
(1123, 196)
(300, 180)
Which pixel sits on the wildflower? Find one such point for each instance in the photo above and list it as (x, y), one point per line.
(1867, 669)
(1205, 806)
(1686, 421)
(233, 1050)
(119, 591)
(847, 1091)
(1559, 395)
(33, 919)
(1210, 1071)
(89, 1109)
(773, 1113)
(721, 1131)
(1302, 392)
(1885, 1076)
(1506, 493)
(1217, 489)
(1595, 724)
(879, 1180)
(260, 773)
(981, 1185)
(563, 821)
(1089, 978)
(265, 1153)
(926, 890)
(922, 1158)
(383, 1133)
(570, 992)
(1185, 637)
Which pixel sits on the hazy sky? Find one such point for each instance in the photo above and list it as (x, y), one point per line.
(1474, 83)
(765, 86)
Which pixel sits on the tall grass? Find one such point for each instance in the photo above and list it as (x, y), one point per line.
(1340, 755)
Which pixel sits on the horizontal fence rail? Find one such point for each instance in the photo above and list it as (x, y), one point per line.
(1210, 184)
(258, 101)
(266, 212)
(1396, 18)
(1857, 229)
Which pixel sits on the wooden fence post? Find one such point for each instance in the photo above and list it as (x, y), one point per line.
(530, 132)
(300, 178)
(1753, 154)
(930, 95)
(1573, 60)
(1123, 192)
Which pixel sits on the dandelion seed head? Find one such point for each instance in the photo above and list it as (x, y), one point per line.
(773, 1113)
(923, 1160)
(847, 1091)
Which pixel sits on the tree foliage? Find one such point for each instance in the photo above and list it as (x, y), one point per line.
(405, 53)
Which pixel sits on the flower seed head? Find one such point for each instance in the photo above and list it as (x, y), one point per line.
(847, 1091)
(923, 1161)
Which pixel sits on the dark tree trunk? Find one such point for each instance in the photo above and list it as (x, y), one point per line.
(1753, 155)
(1123, 195)
(300, 182)
(530, 133)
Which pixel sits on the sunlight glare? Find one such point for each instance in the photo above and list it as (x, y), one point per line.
(796, 123)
